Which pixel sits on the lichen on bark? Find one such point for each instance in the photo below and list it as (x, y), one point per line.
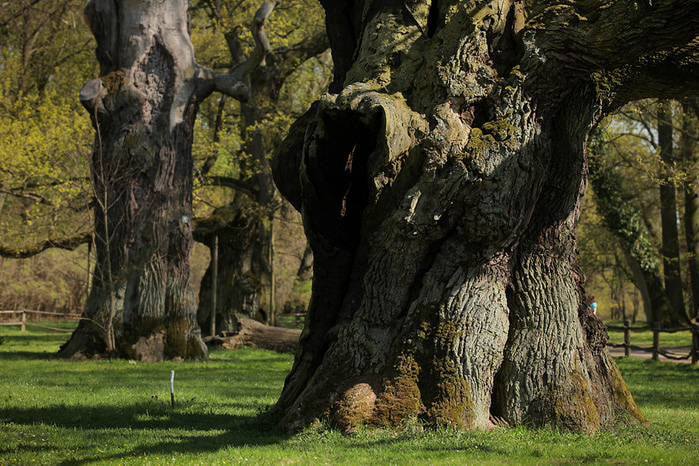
(440, 186)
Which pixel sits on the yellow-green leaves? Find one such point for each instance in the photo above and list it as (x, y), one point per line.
(44, 166)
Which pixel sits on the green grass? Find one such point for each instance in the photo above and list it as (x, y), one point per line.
(116, 412)
(644, 337)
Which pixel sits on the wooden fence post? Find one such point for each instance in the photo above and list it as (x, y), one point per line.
(695, 342)
(627, 338)
(656, 340)
(22, 325)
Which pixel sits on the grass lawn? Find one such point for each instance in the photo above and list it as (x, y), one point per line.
(644, 337)
(118, 412)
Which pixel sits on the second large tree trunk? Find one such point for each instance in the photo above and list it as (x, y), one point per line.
(143, 108)
(440, 188)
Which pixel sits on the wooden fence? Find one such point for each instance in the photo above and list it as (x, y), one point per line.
(23, 321)
(656, 350)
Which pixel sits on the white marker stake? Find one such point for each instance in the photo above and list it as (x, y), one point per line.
(172, 388)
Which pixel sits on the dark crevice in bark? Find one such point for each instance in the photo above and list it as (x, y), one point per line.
(433, 18)
(474, 114)
(504, 45)
(338, 172)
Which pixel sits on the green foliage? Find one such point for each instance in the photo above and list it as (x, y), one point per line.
(45, 136)
(44, 44)
(44, 147)
(625, 169)
(118, 412)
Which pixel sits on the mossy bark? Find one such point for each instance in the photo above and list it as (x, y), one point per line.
(440, 185)
(141, 304)
(143, 108)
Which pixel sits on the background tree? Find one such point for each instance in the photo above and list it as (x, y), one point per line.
(244, 226)
(689, 155)
(634, 179)
(669, 214)
(143, 107)
(441, 185)
(624, 219)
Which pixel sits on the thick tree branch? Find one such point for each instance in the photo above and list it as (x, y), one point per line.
(227, 182)
(289, 57)
(233, 82)
(69, 243)
(633, 50)
(601, 34)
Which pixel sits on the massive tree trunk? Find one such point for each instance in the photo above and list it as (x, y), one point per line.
(143, 107)
(440, 186)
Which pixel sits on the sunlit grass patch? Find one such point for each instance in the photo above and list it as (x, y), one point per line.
(118, 412)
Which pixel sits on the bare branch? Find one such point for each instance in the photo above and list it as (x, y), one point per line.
(69, 243)
(233, 83)
(234, 183)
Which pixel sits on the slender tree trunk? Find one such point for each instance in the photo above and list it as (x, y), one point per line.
(668, 216)
(440, 188)
(143, 108)
(641, 285)
(690, 158)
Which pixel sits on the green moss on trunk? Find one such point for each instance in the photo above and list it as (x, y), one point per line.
(400, 398)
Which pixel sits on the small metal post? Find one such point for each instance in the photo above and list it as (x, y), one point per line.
(172, 388)
(627, 338)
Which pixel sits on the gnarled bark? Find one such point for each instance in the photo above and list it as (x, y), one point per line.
(440, 187)
(143, 107)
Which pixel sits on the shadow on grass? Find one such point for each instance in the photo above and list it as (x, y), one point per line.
(183, 429)
(26, 356)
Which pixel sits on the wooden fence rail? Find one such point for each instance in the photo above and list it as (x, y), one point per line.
(23, 322)
(655, 349)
